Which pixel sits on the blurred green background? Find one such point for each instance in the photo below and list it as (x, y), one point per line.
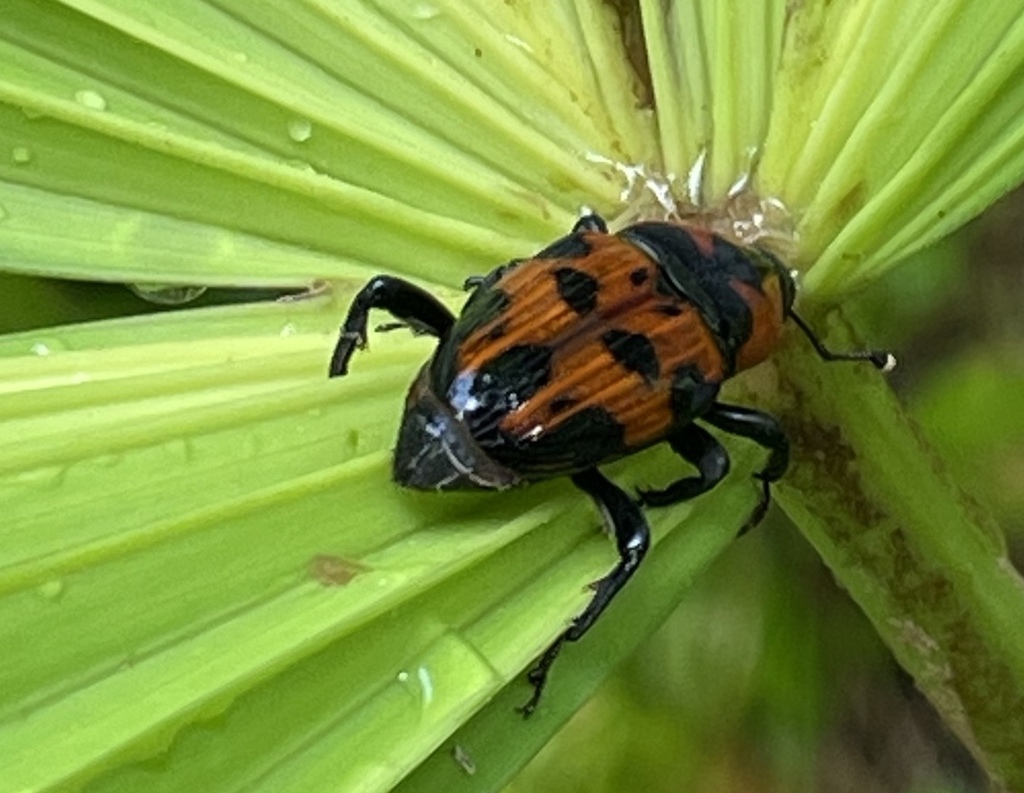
(768, 678)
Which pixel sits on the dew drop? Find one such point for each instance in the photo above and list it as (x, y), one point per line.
(426, 685)
(252, 445)
(239, 57)
(425, 11)
(288, 329)
(302, 165)
(48, 477)
(20, 155)
(52, 590)
(167, 294)
(300, 130)
(419, 686)
(518, 42)
(180, 450)
(90, 99)
(46, 346)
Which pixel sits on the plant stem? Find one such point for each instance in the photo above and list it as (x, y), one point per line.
(922, 559)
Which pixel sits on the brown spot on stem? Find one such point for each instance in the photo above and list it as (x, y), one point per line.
(334, 570)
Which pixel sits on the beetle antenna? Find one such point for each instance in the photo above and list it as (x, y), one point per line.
(885, 361)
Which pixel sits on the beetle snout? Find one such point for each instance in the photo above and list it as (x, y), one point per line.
(436, 451)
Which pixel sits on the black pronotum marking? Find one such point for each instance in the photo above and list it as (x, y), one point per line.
(639, 276)
(572, 246)
(485, 305)
(706, 281)
(577, 289)
(634, 351)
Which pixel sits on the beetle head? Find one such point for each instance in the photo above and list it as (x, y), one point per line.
(436, 451)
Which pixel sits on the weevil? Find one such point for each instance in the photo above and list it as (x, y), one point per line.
(599, 346)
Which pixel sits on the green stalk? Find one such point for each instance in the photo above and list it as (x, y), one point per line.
(924, 561)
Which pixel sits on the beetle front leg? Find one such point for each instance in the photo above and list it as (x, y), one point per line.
(590, 222)
(880, 359)
(407, 302)
(765, 430)
(632, 536)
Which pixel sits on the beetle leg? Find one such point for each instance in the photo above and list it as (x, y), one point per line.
(591, 222)
(474, 282)
(880, 359)
(763, 429)
(698, 446)
(387, 327)
(632, 536)
(407, 302)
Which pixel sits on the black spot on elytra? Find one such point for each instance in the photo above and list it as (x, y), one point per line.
(639, 276)
(497, 332)
(577, 289)
(497, 388)
(560, 404)
(584, 439)
(634, 351)
(514, 376)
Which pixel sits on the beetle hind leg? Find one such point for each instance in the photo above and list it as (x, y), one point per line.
(699, 447)
(764, 430)
(409, 304)
(632, 536)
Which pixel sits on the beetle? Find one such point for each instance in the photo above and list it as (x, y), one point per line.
(598, 346)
